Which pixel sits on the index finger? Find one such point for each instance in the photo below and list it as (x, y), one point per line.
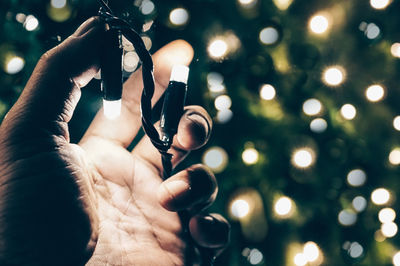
(123, 129)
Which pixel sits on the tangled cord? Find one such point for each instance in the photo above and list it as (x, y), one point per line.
(114, 22)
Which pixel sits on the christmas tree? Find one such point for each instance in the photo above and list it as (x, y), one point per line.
(306, 142)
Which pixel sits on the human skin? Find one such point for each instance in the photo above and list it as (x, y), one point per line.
(96, 202)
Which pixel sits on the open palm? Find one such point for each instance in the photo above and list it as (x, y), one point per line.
(96, 202)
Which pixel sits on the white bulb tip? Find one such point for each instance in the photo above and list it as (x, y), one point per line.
(112, 109)
(180, 73)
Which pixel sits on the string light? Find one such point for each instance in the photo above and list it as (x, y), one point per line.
(240, 208)
(250, 156)
(375, 93)
(334, 75)
(318, 24)
(269, 35)
(14, 65)
(348, 111)
(395, 49)
(112, 109)
(380, 196)
(356, 178)
(318, 125)
(303, 157)
(283, 207)
(386, 215)
(216, 159)
(179, 16)
(394, 156)
(31, 23)
(379, 4)
(267, 92)
(312, 107)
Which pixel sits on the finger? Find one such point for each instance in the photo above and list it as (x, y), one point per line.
(53, 90)
(194, 130)
(192, 189)
(210, 231)
(124, 128)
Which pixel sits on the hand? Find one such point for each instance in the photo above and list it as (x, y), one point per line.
(96, 202)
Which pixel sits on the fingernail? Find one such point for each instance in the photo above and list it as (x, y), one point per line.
(86, 26)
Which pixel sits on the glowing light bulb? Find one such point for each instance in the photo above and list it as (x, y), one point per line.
(386, 215)
(283, 206)
(348, 111)
(303, 158)
(223, 102)
(217, 49)
(318, 125)
(395, 49)
(31, 23)
(319, 24)
(250, 156)
(379, 4)
(396, 259)
(312, 107)
(356, 178)
(240, 208)
(269, 35)
(14, 65)
(394, 156)
(216, 159)
(333, 76)
(267, 92)
(389, 229)
(58, 3)
(179, 16)
(112, 109)
(380, 196)
(396, 123)
(375, 93)
(311, 251)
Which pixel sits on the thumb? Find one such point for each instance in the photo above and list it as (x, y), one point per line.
(53, 89)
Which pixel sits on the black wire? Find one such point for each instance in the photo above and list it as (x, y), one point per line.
(207, 256)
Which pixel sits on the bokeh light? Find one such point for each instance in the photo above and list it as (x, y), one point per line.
(131, 61)
(396, 123)
(348, 111)
(216, 159)
(312, 107)
(380, 196)
(347, 217)
(224, 116)
(379, 4)
(247, 3)
(269, 35)
(31, 23)
(250, 156)
(282, 4)
(396, 259)
(311, 251)
(333, 76)
(386, 215)
(255, 256)
(147, 7)
(283, 207)
(58, 3)
(394, 156)
(375, 93)
(318, 125)
(179, 16)
(355, 250)
(359, 203)
(14, 65)
(389, 229)
(217, 48)
(303, 157)
(300, 259)
(240, 208)
(395, 49)
(223, 102)
(356, 178)
(267, 92)
(318, 24)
